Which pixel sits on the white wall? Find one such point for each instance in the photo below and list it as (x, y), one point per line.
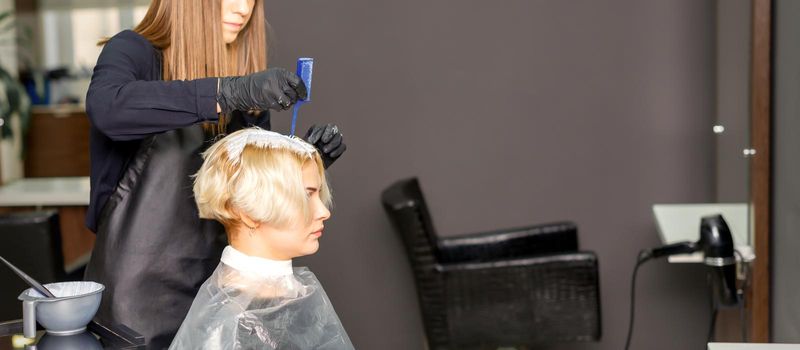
(11, 166)
(8, 53)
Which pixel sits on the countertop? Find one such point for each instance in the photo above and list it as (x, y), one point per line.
(46, 191)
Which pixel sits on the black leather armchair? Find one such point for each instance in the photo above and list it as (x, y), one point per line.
(515, 287)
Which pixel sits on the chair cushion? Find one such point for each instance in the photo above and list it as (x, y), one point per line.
(525, 241)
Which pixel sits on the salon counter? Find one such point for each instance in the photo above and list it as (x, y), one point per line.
(751, 346)
(46, 192)
(69, 196)
(97, 336)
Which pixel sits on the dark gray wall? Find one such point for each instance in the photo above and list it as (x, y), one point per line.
(511, 113)
(785, 261)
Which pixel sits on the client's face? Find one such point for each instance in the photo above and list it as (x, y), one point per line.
(301, 239)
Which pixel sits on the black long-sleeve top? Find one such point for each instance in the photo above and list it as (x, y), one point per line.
(127, 102)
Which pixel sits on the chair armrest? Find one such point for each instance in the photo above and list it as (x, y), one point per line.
(538, 300)
(509, 243)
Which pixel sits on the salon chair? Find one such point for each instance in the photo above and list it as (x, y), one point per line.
(32, 242)
(526, 286)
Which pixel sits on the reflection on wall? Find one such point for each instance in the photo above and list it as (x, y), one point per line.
(70, 35)
(8, 55)
(732, 99)
(10, 147)
(65, 37)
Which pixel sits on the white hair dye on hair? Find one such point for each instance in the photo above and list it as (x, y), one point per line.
(257, 173)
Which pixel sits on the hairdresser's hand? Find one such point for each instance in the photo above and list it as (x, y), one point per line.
(274, 88)
(328, 140)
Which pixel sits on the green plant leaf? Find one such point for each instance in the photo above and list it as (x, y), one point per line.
(7, 27)
(22, 36)
(10, 24)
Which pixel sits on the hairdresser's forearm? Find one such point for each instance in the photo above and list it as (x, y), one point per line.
(123, 106)
(129, 110)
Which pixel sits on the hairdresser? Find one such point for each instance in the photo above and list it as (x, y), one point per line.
(189, 73)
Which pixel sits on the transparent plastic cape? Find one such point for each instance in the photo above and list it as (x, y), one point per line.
(237, 310)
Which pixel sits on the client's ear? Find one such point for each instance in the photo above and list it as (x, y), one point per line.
(247, 221)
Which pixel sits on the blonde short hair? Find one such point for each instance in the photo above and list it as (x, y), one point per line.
(264, 183)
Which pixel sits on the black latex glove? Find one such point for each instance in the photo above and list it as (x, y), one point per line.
(274, 88)
(328, 140)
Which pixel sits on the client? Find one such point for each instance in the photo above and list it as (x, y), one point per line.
(270, 193)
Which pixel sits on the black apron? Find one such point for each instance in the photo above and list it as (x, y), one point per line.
(152, 251)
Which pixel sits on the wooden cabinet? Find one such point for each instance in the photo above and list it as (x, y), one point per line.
(58, 142)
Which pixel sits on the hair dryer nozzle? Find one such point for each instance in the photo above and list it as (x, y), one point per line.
(672, 249)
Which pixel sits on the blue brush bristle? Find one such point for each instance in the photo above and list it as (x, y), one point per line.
(305, 67)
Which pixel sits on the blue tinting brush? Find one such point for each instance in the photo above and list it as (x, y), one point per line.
(305, 66)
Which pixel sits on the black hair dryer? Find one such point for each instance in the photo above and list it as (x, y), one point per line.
(716, 243)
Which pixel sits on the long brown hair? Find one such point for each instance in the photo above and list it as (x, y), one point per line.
(189, 34)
